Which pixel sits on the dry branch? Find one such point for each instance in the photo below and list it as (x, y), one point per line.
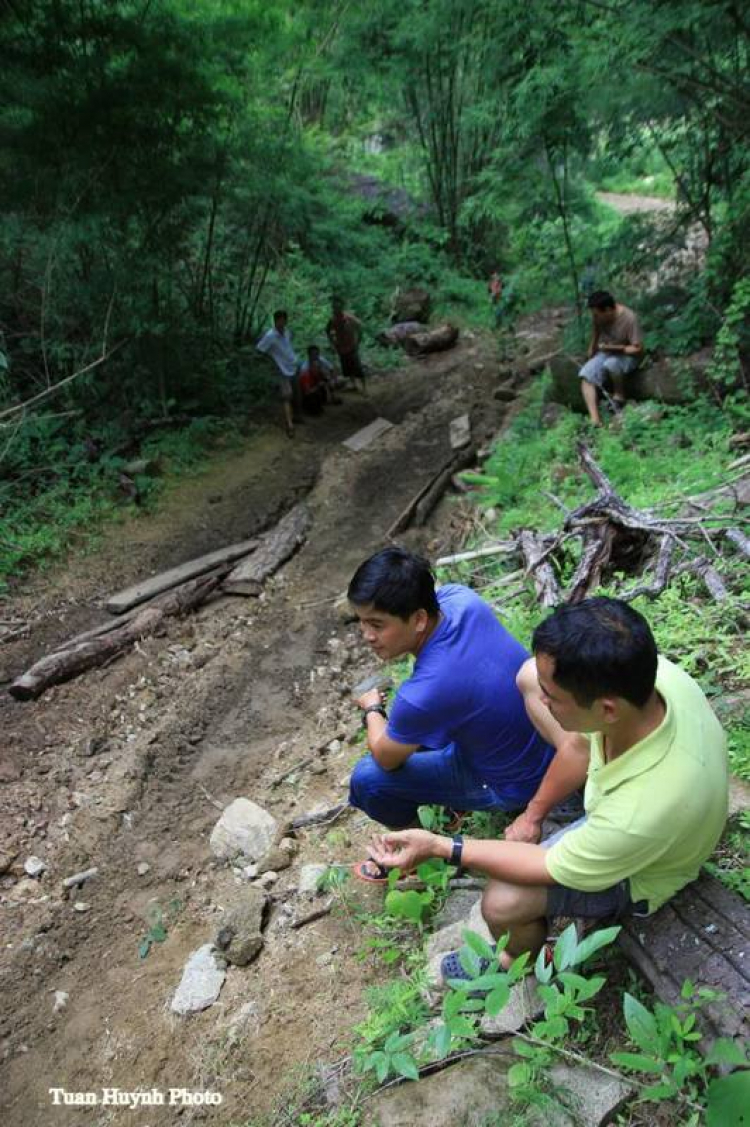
(533, 549)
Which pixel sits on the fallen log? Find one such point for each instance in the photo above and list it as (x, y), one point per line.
(148, 588)
(598, 541)
(69, 662)
(274, 548)
(430, 493)
(508, 547)
(438, 339)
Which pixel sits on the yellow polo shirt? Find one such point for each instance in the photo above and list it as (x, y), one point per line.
(655, 813)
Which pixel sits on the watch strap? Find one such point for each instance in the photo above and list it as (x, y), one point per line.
(457, 851)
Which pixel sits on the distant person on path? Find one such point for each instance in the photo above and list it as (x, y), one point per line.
(495, 290)
(344, 331)
(615, 351)
(653, 757)
(317, 381)
(458, 733)
(277, 343)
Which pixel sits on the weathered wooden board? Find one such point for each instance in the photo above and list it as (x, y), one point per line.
(702, 934)
(148, 588)
(365, 437)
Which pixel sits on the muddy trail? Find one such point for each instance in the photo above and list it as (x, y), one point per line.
(126, 768)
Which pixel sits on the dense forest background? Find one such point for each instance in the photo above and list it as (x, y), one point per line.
(172, 170)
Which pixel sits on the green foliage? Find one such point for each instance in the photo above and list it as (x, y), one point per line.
(667, 1039)
(157, 925)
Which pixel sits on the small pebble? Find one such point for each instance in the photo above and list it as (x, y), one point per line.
(34, 866)
(81, 906)
(143, 868)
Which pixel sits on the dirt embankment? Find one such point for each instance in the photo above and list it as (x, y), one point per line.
(125, 769)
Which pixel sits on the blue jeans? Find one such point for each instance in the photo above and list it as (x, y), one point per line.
(603, 364)
(427, 777)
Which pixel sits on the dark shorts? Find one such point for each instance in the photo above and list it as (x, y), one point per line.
(612, 902)
(351, 366)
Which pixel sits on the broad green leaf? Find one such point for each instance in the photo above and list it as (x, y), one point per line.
(461, 1027)
(565, 948)
(593, 943)
(442, 1041)
(469, 962)
(662, 1092)
(519, 967)
(637, 1062)
(144, 947)
(157, 933)
(478, 945)
(405, 1065)
(726, 1051)
(641, 1024)
(729, 1101)
(408, 905)
(519, 1074)
(381, 1068)
(541, 970)
(497, 999)
(489, 981)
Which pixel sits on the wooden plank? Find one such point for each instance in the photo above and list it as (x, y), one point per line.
(702, 934)
(365, 437)
(147, 588)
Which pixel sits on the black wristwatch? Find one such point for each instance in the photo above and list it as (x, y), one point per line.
(373, 708)
(457, 851)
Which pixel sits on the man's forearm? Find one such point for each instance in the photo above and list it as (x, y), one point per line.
(514, 861)
(565, 774)
(386, 753)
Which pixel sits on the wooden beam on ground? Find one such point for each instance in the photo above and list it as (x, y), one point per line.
(702, 934)
(365, 437)
(149, 588)
(274, 548)
(423, 502)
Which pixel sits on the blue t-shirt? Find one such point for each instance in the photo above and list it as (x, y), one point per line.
(463, 691)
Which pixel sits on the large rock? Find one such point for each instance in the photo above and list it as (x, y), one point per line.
(475, 1092)
(201, 983)
(439, 339)
(245, 829)
(240, 937)
(668, 380)
(411, 305)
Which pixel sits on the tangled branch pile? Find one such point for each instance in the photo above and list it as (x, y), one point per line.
(616, 537)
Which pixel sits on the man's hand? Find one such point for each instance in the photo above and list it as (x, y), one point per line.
(524, 828)
(372, 696)
(408, 848)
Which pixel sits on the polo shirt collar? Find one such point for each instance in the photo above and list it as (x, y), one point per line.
(641, 757)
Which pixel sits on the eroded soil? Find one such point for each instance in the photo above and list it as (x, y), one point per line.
(128, 766)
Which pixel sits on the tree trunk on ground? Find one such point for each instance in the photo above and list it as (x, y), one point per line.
(69, 662)
(274, 548)
(434, 340)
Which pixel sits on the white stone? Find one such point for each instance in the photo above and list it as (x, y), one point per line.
(81, 906)
(243, 828)
(267, 880)
(61, 1000)
(201, 983)
(309, 877)
(34, 866)
(143, 868)
(334, 747)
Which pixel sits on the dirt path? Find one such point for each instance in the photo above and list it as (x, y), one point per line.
(125, 769)
(627, 204)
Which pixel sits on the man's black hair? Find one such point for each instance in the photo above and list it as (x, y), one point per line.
(280, 313)
(601, 647)
(601, 299)
(396, 582)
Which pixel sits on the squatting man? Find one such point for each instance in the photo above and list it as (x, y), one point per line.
(641, 736)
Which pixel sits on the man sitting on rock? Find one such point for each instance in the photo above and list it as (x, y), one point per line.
(654, 758)
(458, 733)
(615, 351)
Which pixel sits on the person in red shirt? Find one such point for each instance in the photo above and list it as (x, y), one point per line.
(344, 332)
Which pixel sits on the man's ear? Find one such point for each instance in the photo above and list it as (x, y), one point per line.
(421, 619)
(611, 709)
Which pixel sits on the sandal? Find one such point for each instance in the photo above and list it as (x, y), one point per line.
(451, 969)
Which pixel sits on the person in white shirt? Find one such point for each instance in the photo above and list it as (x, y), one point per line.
(277, 343)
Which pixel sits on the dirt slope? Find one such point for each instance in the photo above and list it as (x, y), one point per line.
(129, 764)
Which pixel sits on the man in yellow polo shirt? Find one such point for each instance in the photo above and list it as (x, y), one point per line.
(641, 734)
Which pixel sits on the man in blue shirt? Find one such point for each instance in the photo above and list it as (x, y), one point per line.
(458, 734)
